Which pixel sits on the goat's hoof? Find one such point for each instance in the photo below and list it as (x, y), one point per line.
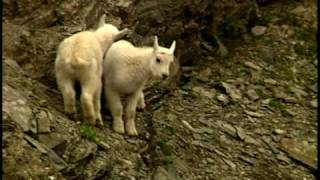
(119, 129)
(132, 132)
(141, 107)
(99, 121)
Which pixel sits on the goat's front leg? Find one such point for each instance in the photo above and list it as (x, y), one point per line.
(131, 113)
(141, 103)
(116, 109)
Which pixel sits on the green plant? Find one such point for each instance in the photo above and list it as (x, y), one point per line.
(165, 147)
(88, 132)
(277, 104)
(261, 94)
(232, 28)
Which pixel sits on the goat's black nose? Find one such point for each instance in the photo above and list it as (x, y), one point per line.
(164, 76)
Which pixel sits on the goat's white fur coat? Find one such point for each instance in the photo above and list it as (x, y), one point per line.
(126, 70)
(79, 58)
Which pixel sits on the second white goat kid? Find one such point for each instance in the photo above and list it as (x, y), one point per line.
(80, 58)
(126, 70)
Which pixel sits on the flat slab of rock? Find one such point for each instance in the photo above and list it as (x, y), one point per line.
(15, 105)
(305, 154)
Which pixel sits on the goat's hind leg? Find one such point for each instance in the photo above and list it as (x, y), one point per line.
(97, 103)
(131, 113)
(66, 87)
(87, 102)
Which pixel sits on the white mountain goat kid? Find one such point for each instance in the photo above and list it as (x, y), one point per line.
(80, 58)
(126, 70)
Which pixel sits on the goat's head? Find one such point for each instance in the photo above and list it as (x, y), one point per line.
(163, 57)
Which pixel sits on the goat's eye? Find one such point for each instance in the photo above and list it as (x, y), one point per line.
(158, 61)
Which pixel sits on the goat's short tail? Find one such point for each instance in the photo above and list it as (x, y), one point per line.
(77, 62)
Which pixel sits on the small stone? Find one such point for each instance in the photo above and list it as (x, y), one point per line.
(251, 65)
(289, 112)
(283, 158)
(266, 101)
(258, 30)
(172, 117)
(241, 134)
(232, 91)
(290, 100)
(279, 131)
(197, 136)
(251, 140)
(42, 102)
(279, 93)
(229, 163)
(103, 144)
(298, 10)
(252, 94)
(270, 81)
(223, 98)
(209, 160)
(203, 92)
(44, 122)
(253, 114)
(314, 103)
(249, 160)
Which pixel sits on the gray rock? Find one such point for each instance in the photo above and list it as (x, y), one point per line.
(252, 94)
(303, 153)
(234, 93)
(15, 105)
(229, 163)
(252, 66)
(314, 103)
(223, 98)
(279, 131)
(98, 166)
(44, 122)
(227, 128)
(81, 150)
(240, 132)
(204, 92)
(58, 163)
(270, 81)
(52, 139)
(283, 158)
(253, 114)
(258, 30)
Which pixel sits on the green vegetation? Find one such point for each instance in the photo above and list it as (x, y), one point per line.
(88, 132)
(166, 149)
(261, 94)
(277, 104)
(233, 28)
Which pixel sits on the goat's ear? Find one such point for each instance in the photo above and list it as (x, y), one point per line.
(156, 44)
(102, 20)
(173, 47)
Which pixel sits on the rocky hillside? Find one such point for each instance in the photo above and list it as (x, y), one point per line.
(240, 104)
